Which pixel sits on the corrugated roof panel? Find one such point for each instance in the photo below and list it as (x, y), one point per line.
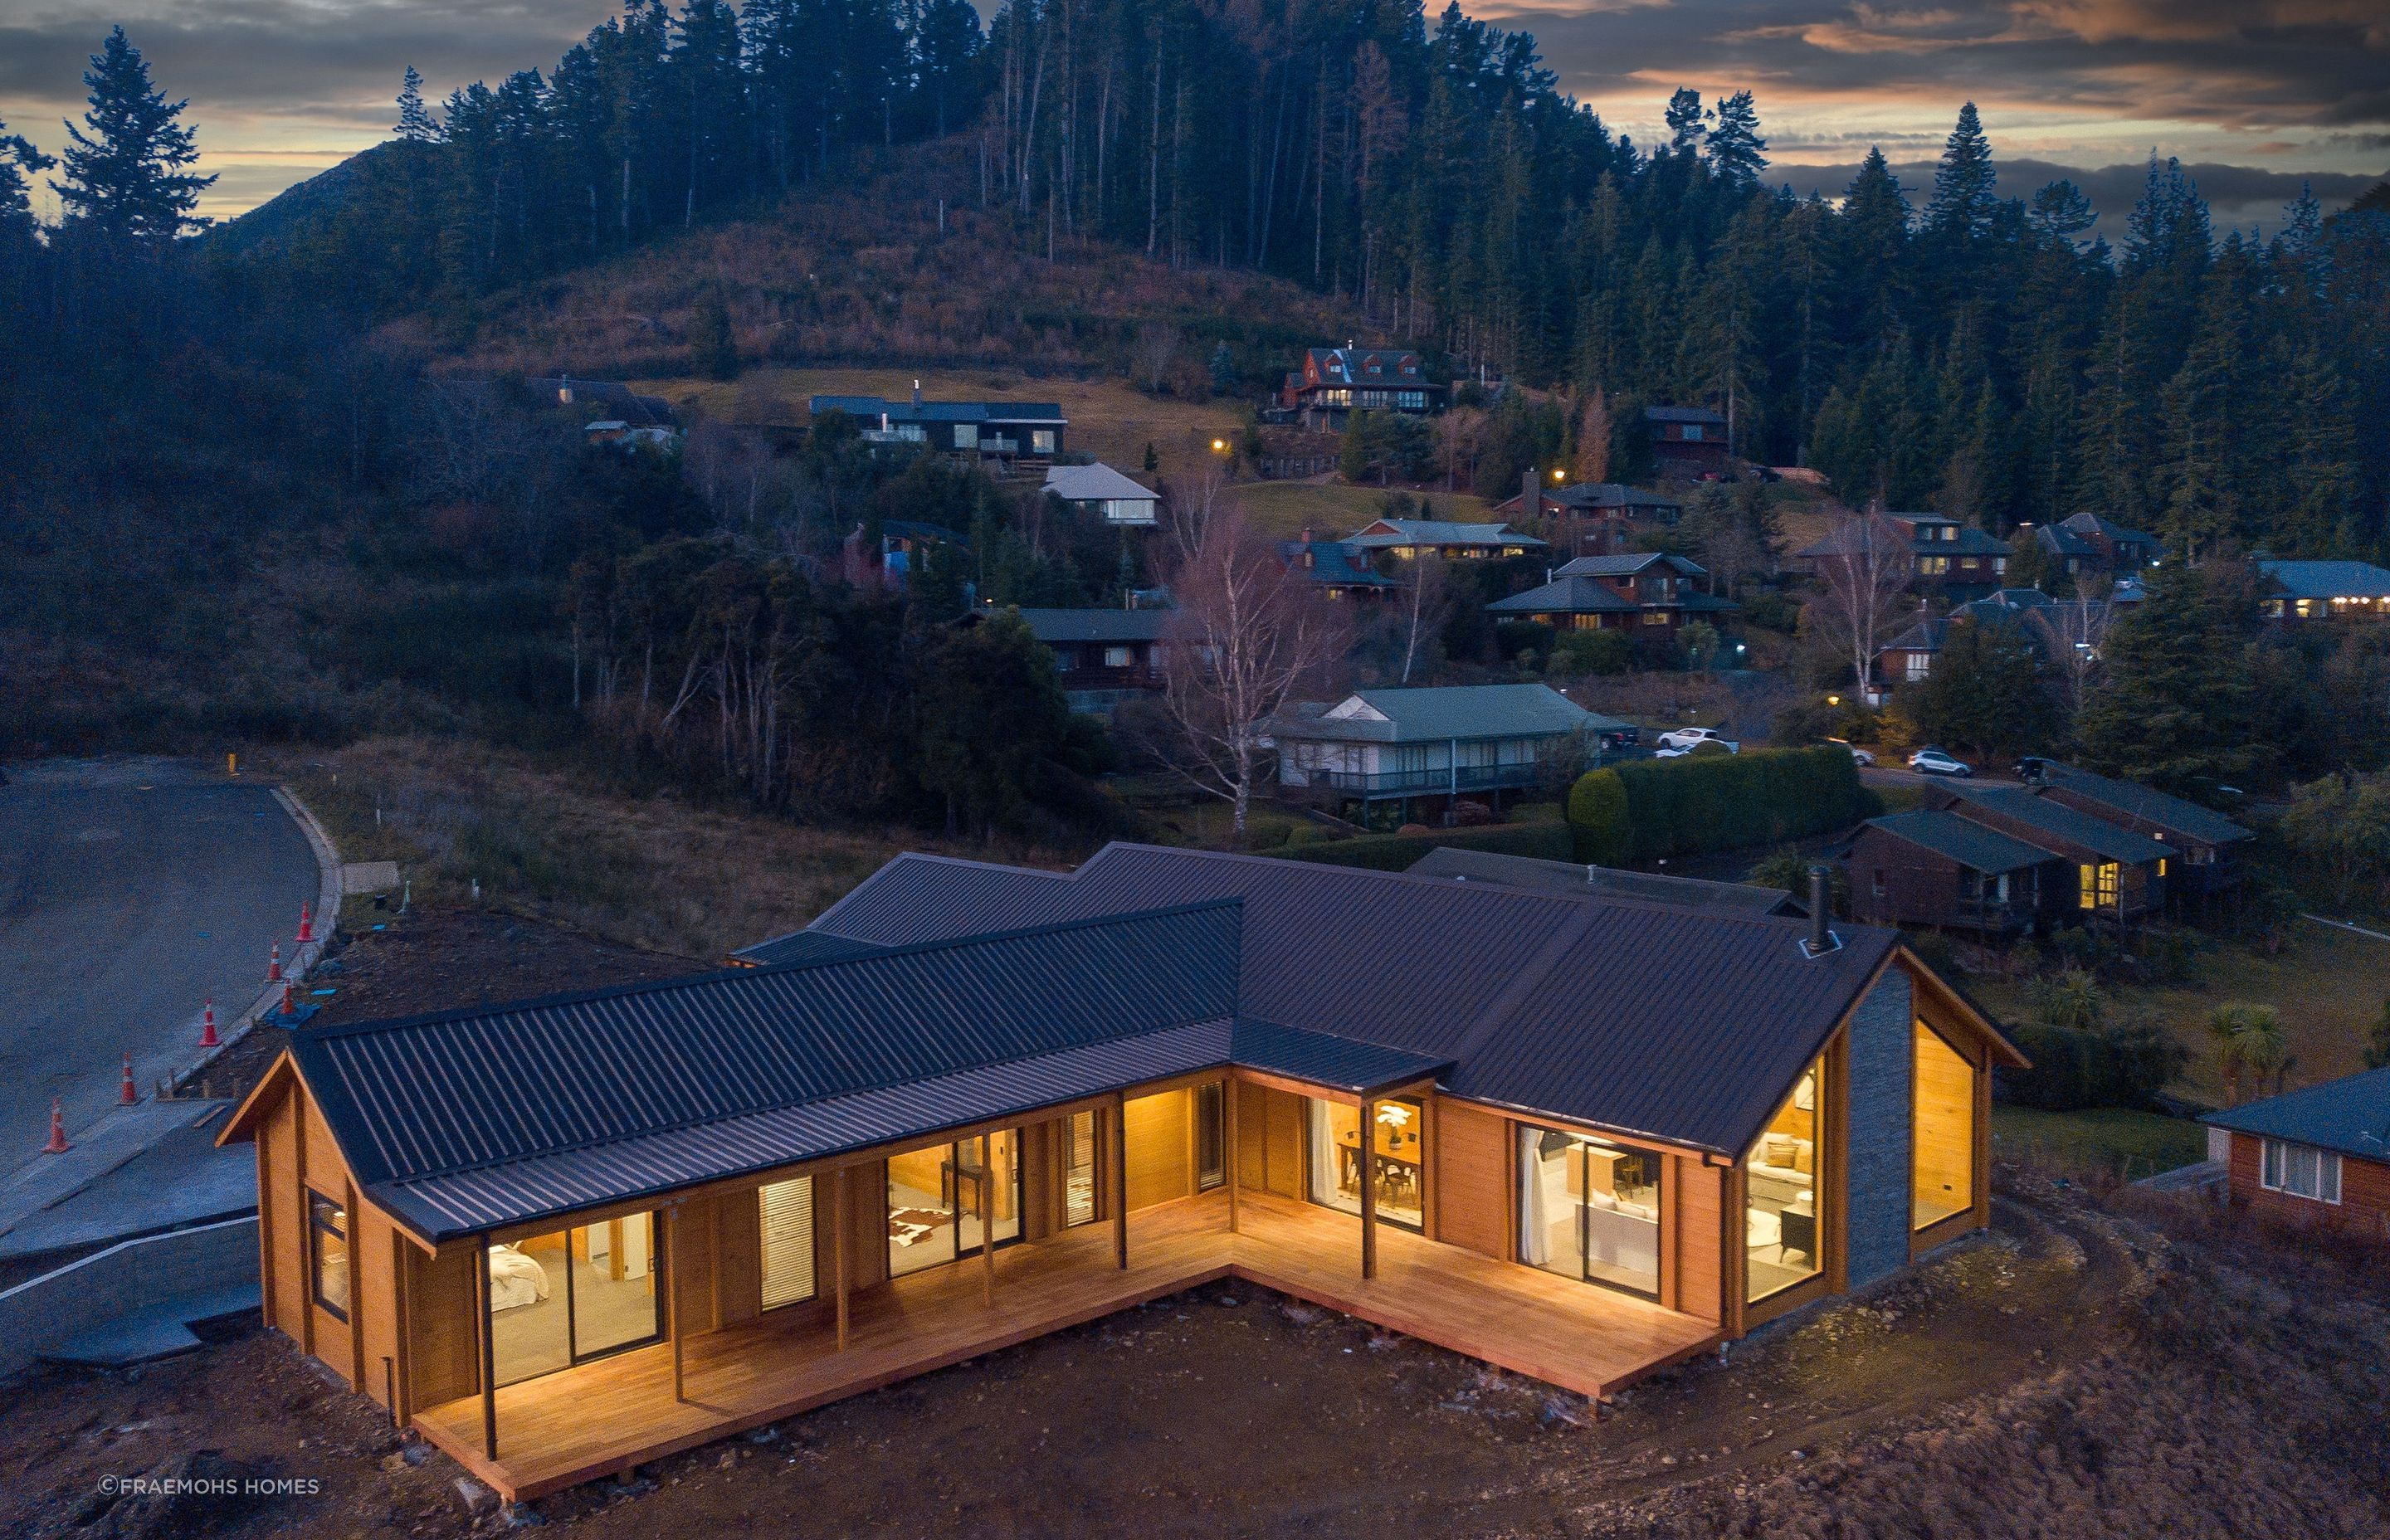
(1324, 1058)
(2350, 1115)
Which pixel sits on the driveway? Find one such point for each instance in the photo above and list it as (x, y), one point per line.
(130, 892)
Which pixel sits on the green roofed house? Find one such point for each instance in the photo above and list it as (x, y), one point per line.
(1421, 752)
(1408, 538)
(2326, 590)
(1646, 593)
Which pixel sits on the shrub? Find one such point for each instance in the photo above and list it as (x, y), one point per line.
(1702, 802)
(1512, 639)
(1590, 652)
(1393, 852)
(2125, 1065)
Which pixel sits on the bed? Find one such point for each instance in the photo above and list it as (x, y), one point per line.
(515, 1279)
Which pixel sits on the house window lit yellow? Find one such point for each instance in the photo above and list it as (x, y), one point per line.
(2099, 885)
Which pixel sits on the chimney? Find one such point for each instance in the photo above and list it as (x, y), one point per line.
(1822, 939)
(917, 393)
(1531, 497)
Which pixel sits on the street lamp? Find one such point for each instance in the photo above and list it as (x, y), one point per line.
(1833, 701)
(1219, 446)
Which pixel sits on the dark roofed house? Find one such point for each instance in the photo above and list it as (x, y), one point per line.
(2325, 590)
(1650, 595)
(1931, 867)
(2318, 1156)
(1948, 557)
(1686, 441)
(1579, 1136)
(1013, 435)
(2205, 842)
(1335, 382)
(1420, 751)
(1105, 656)
(1590, 517)
(1451, 539)
(2087, 544)
(1338, 569)
(2118, 874)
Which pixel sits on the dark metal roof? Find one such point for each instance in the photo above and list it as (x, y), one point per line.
(1324, 1058)
(2350, 1115)
(1971, 844)
(1575, 882)
(2058, 821)
(1608, 494)
(1567, 596)
(1644, 1017)
(1628, 563)
(937, 411)
(802, 947)
(1333, 561)
(2146, 803)
(1097, 625)
(1427, 714)
(965, 897)
(2327, 580)
(441, 1097)
(1682, 414)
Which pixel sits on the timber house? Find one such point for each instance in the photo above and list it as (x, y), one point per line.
(1579, 1136)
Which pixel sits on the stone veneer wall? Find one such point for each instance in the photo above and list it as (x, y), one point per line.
(1881, 1055)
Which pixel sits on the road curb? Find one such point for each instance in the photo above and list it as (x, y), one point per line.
(328, 916)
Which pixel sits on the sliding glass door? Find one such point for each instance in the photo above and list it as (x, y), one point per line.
(937, 1196)
(1590, 1209)
(1395, 1159)
(567, 1296)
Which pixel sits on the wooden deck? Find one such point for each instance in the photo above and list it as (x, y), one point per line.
(575, 1426)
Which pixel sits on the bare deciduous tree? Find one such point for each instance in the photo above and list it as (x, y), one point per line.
(1247, 635)
(1425, 609)
(1863, 580)
(2080, 631)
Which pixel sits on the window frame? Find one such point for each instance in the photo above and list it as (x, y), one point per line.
(2274, 1174)
(319, 1226)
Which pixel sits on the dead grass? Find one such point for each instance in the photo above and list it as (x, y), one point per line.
(654, 871)
(1284, 509)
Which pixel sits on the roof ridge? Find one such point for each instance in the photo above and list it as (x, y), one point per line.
(880, 952)
(933, 858)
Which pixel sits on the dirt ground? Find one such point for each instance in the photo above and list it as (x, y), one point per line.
(2081, 1371)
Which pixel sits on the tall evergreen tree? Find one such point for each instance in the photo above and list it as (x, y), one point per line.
(1963, 201)
(1684, 120)
(415, 122)
(2178, 707)
(18, 161)
(124, 178)
(1737, 153)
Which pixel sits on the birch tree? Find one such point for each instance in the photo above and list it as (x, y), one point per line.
(1249, 634)
(1863, 584)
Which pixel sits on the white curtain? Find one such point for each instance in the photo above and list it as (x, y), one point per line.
(1535, 1223)
(1323, 1156)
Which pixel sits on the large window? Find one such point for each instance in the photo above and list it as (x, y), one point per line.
(2302, 1171)
(571, 1295)
(328, 1253)
(1784, 1209)
(1590, 1209)
(1079, 1169)
(1394, 1159)
(1210, 1139)
(2100, 885)
(786, 1212)
(1941, 1178)
(936, 1196)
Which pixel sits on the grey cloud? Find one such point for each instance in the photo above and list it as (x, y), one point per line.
(2237, 196)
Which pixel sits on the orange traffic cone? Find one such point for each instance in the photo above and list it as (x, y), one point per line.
(274, 965)
(208, 1027)
(307, 924)
(128, 1096)
(288, 1008)
(58, 1145)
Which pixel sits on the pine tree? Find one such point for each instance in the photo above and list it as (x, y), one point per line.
(18, 161)
(1988, 691)
(2177, 707)
(2326, 480)
(2194, 477)
(414, 122)
(1963, 202)
(1737, 153)
(2058, 211)
(124, 177)
(712, 351)
(1684, 118)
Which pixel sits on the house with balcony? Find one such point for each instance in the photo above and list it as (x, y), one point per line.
(1650, 595)
(1411, 755)
(1947, 560)
(1690, 442)
(1577, 1136)
(1105, 657)
(1006, 436)
(1929, 867)
(2115, 873)
(1103, 493)
(1335, 570)
(2207, 846)
(1408, 539)
(1334, 383)
(1590, 517)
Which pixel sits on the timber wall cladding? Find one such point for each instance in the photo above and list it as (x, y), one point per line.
(1700, 1273)
(278, 1185)
(324, 1173)
(2364, 1191)
(1471, 1169)
(443, 1355)
(1270, 1140)
(1160, 1161)
(1945, 1122)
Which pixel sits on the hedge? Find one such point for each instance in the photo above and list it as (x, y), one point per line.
(1395, 853)
(1646, 809)
(2075, 1068)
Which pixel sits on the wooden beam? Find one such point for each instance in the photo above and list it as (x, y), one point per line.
(1120, 1179)
(489, 1349)
(1368, 1150)
(401, 1259)
(267, 1199)
(356, 1243)
(671, 1216)
(306, 1226)
(838, 1256)
(1228, 1137)
(986, 1221)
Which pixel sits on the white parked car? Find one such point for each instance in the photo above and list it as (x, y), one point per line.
(1861, 756)
(1686, 738)
(1934, 761)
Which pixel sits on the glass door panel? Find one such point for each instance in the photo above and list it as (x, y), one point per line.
(1395, 1160)
(999, 1185)
(613, 1284)
(1590, 1209)
(921, 1209)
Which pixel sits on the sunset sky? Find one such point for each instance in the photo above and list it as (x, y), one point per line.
(2252, 94)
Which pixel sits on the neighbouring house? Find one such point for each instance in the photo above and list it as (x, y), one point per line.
(2206, 844)
(1335, 382)
(2316, 1156)
(1947, 558)
(1338, 569)
(902, 546)
(1010, 435)
(2325, 591)
(1408, 538)
(2111, 873)
(1576, 1136)
(1591, 518)
(1415, 754)
(2056, 626)
(2084, 544)
(1933, 867)
(613, 406)
(1106, 657)
(1686, 441)
(1567, 877)
(1653, 595)
(1098, 489)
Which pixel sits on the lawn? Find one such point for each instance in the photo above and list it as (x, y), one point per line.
(1285, 508)
(2113, 1138)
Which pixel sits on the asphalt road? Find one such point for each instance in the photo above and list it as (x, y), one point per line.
(130, 892)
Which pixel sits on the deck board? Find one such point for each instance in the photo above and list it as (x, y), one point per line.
(563, 1428)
